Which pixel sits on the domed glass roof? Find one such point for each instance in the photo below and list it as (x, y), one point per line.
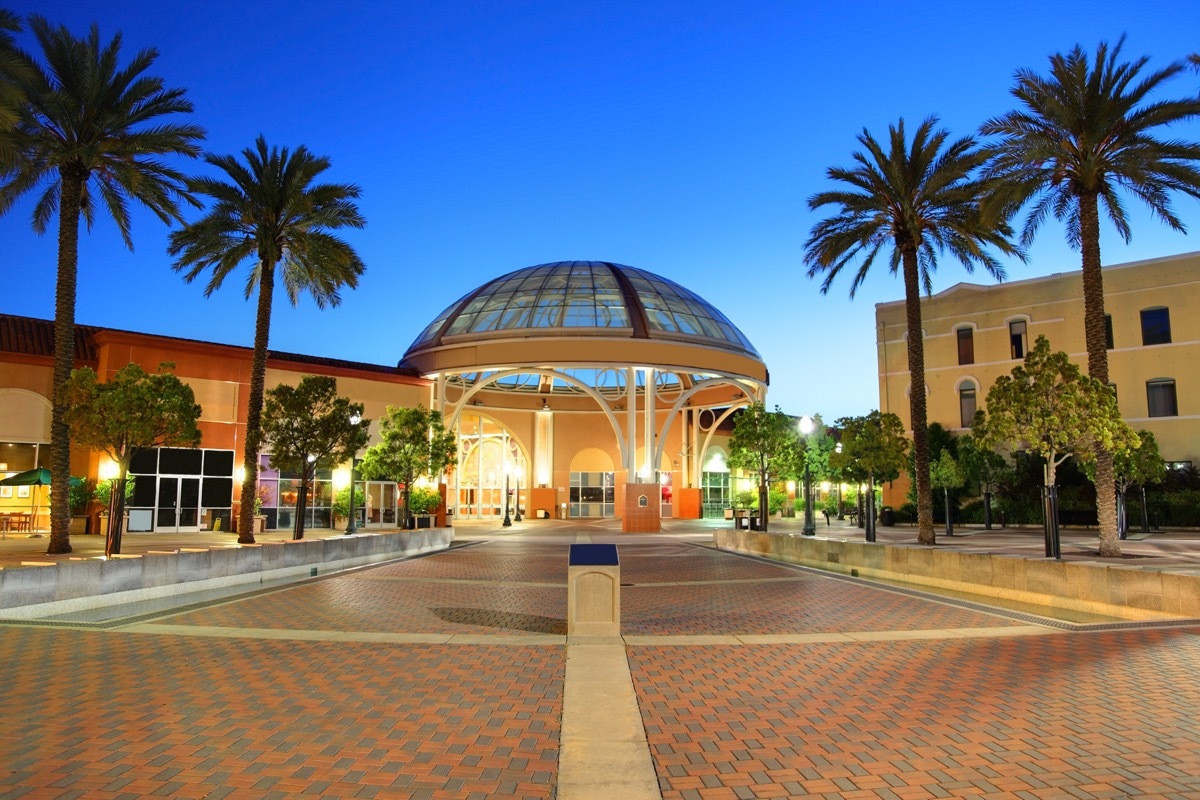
(570, 298)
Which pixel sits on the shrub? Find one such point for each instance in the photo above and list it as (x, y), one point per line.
(423, 501)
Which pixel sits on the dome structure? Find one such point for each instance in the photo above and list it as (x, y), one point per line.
(593, 317)
(598, 385)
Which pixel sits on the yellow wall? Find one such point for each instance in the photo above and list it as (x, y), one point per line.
(1053, 306)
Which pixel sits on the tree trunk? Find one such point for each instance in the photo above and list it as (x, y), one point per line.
(916, 396)
(70, 199)
(869, 509)
(763, 511)
(116, 515)
(949, 522)
(1097, 350)
(301, 506)
(258, 376)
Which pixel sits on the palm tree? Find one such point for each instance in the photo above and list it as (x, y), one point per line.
(1078, 137)
(13, 69)
(90, 132)
(270, 214)
(915, 200)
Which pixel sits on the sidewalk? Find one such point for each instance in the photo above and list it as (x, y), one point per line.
(451, 676)
(1165, 549)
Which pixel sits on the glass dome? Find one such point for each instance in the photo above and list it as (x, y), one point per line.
(590, 298)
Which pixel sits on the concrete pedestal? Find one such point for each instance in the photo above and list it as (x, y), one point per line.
(593, 590)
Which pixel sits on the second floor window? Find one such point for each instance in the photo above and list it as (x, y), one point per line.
(1016, 338)
(966, 346)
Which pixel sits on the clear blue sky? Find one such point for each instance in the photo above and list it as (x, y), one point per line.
(679, 137)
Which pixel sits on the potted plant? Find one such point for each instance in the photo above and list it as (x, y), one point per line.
(260, 520)
(80, 493)
(424, 503)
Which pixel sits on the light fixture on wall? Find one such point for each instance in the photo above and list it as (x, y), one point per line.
(545, 405)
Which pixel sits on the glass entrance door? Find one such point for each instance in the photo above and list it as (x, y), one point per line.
(178, 507)
(381, 504)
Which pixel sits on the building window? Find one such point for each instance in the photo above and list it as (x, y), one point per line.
(1160, 398)
(1108, 340)
(1156, 326)
(966, 346)
(966, 403)
(1016, 338)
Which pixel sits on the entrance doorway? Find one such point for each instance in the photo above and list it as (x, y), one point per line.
(382, 499)
(178, 507)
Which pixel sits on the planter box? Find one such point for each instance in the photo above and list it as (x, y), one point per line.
(79, 526)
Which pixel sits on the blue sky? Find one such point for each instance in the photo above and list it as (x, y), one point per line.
(680, 137)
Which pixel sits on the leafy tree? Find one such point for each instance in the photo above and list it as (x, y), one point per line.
(131, 411)
(310, 428)
(945, 474)
(1133, 467)
(1049, 407)
(764, 443)
(1079, 136)
(874, 448)
(269, 215)
(413, 444)
(915, 199)
(982, 467)
(92, 134)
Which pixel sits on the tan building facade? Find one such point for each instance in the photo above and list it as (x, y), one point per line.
(976, 333)
(577, 389)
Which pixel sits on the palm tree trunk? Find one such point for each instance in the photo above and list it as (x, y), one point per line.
(916, 397)
(64, 356)
(258, 377)
(1097, 350)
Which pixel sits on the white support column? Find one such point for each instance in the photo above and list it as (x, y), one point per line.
(697, 452)
(631, 424)
(648, 426)
(479, 457)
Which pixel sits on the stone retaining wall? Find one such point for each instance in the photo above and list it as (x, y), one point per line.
(29, 592)
(1115, 590)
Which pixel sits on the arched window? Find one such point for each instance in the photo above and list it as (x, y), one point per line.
(966, 403)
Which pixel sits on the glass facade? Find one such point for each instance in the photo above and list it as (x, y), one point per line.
(715, 494)
(280, 489)
(181, 489)
(592, 494)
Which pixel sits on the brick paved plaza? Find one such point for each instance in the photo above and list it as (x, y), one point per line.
(445, 677)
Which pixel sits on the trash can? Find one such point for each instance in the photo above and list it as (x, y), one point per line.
(742, 523)
(593, 590)
(887, 517)
(755, 523)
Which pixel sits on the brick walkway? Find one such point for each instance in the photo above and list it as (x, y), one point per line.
(443, 677)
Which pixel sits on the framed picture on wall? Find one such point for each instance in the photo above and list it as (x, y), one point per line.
(22, 491)
(5, 491)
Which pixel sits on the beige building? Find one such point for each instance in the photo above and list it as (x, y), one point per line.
(975, 333)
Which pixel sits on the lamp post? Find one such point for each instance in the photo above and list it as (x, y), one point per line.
(507, 518)
(517, 515)
(351, 527)
(810, 528)
(840, 515)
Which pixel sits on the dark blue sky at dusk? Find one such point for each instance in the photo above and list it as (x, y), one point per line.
(679, 137)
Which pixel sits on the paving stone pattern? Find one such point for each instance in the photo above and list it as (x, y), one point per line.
(1084, 715)
(118, 715)
(115, 713)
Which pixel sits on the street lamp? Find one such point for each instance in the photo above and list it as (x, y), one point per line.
(840, 515)
(507, 518)
(351, 527)
(517, 516)
(810, 528)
